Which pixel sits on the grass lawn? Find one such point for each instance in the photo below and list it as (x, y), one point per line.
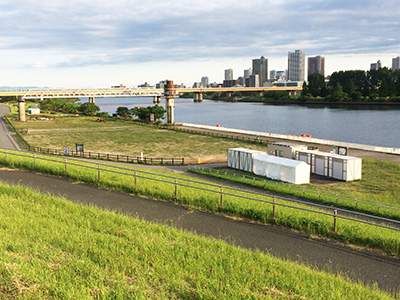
(122, 137)
(53, 249)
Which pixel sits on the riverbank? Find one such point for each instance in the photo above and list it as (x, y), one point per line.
(305, 103)
(364, 151)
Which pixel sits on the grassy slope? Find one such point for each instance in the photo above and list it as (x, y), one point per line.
(53, 249)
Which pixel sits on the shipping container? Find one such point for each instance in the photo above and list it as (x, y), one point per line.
(346, 168)
(242, 158)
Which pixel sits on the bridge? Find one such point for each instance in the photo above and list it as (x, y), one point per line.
(169, 92)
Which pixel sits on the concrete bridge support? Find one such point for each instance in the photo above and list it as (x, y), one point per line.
(157, 99)
(170, 94)
(21, 110)
(229, 94)
(91, 100)
(198, 97)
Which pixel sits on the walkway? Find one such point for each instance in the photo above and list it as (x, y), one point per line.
(7, 139)
(364, 265)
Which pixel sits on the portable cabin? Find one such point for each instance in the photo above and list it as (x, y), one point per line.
(286, 150)
(284, 169)
(242, 158)
(346, 168)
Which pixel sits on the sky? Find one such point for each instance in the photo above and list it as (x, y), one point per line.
(100, 43)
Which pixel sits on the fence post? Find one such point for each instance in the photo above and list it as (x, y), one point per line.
(304, 192)
(336, 199)
(335, 220)
(135, 180)
(276, 186)
(66, 171)
(34, 161)
(176, 188)
(273, 208)
(319, 195)
(356, 203)
(98, 172)
(221, 201)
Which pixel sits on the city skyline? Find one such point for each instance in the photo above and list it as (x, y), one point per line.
(88, 43)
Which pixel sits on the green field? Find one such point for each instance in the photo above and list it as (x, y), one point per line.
(123, 137)
(53, 249)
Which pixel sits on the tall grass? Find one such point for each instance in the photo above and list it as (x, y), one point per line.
(155, 186)
(53, 249)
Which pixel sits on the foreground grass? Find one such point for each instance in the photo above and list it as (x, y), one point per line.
(124, 137)
(209, 200)
(53, 249)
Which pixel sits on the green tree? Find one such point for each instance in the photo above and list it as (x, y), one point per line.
(316, 83)
(337, 93)
(143, 113)
(89, 109)
(70, 108)
(123, 112)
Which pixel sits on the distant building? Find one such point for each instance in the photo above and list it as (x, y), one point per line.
(144, 85)
(197, 85)
(253, 81)
(396, 63)
(260, 68)
(316, 65)
(376, 66)
(272, 75)
(229, 74)
(296, 66)
(230, 83)
(281, 75)
(204, 81)
(247, 73)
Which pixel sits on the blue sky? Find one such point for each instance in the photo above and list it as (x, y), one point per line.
(99, 43)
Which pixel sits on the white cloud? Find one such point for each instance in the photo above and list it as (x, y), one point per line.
(55, 34)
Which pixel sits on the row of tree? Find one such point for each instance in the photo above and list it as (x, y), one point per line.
(142, 113)
(373, 85)
(68, 107)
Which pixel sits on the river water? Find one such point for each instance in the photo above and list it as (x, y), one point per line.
(370, 125)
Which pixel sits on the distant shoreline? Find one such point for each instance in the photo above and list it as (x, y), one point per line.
(326, 103)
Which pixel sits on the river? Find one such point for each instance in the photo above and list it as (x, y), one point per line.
(370, 125)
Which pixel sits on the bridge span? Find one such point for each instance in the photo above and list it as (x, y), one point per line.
(169, 92)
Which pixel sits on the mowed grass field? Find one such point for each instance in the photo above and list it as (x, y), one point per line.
(51, 248)
(124, 137)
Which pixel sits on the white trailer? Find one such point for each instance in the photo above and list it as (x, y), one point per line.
(284, 169)
(242, 158)
(340, 167)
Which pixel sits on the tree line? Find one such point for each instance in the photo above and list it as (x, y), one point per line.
(374, 85)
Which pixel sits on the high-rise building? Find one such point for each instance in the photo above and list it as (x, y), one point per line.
(396, 63)
(247, 73)
(296, 65)
(260, 68)
(316, 65)
(272, 75)
(204, 81)
(376, 66)
(229, 74)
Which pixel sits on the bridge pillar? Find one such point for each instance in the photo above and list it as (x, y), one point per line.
(21, 110)
(91, 100)
(170, 94)
(229, 94)
(198, 97)
(157, 99)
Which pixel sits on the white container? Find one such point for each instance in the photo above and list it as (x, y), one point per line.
(346, 168)
(241, 158)
(284, 169)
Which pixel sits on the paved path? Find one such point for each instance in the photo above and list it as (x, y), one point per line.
(7, 139)
(364, 265)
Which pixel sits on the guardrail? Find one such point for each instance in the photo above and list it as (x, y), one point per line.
(219, 188)
(335, 196)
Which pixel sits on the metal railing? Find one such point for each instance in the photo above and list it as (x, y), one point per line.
(189, 184)
(336, 198)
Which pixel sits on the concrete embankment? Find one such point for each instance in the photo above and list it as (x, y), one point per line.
(360, 150)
